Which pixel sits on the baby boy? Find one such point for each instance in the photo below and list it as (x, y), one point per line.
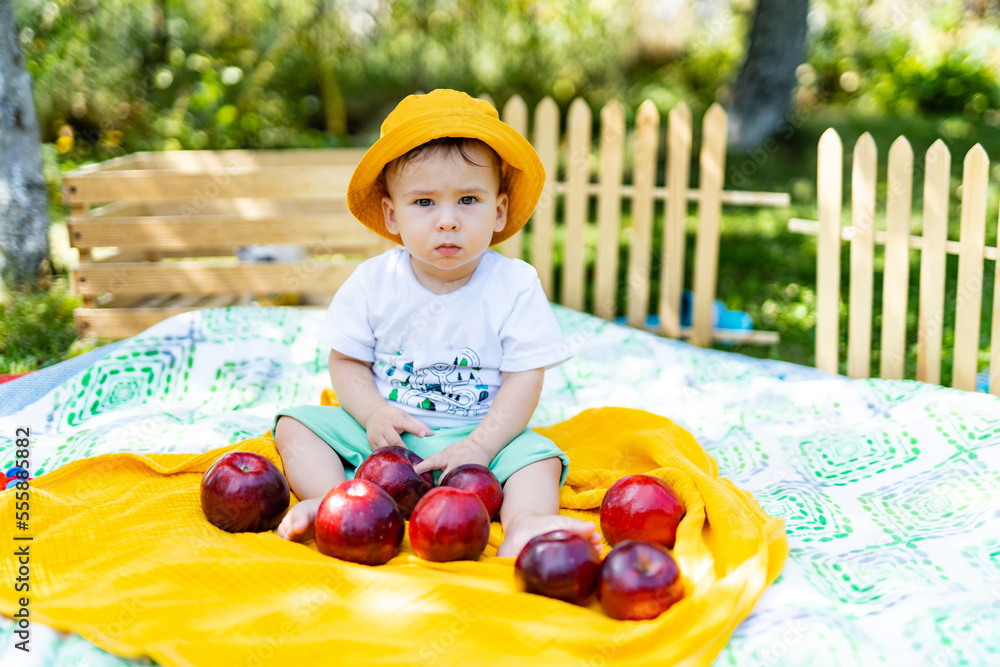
(439, 345)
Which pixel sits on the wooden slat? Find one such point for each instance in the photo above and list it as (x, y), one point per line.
(119, 209)
(896, 279)
(830, 193)
(995, 325)
(930, 319)
(546, 143)
(859, 332)
(174, 232)
(729, 197)
(117, 323)
(210, 277)
(802, 226)
(128, 301)
(246, 207)
(747, 198)
(219, 300)
(149, 300)
(609, 209)
(180, 185)
(199, 161)
(672, 262)
(111, 255)
(968, 309)
(578, 175)
(706, 260)
(515, 114)
(184, 301)
(733, 336)
(647, 134)
(124, 162)
(284, 157)
(364, 247)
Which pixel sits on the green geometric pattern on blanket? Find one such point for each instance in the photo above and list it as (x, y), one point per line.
(249, 324)
(809, 513)
(129, 378)
(248, 382)
(953, 497)
(740, 454)
(846, 457)
(875, 579)
(985, 556)
(958, 634)
(963, 433)
(811, 636)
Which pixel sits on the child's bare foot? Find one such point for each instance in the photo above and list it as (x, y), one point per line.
(297, 525)
(528, 526)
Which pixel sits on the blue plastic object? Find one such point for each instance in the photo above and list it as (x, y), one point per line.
(13, 471)
(722, 317)
(983, 381)
(11, 484)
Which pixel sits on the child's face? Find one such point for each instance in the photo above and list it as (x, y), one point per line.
(446, 211)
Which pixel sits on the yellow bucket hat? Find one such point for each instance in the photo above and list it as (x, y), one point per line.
(447, 113)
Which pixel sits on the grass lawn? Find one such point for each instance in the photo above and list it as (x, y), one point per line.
(764, 269)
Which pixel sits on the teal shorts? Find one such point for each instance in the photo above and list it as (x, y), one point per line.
(348, 438)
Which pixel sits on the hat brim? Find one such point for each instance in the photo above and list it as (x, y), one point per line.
(523, 172)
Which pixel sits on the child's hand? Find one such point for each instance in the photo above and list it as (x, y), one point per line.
(455, 454)
(386, 423)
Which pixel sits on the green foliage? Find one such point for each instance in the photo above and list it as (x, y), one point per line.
(37, 329)
(947, 86)
(903, 58)
(117, 76)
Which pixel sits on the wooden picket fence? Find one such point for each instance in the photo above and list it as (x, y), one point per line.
(608, 165)
(933, 244)
(187, 206)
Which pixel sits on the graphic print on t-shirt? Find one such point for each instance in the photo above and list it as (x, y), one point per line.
(449, 387)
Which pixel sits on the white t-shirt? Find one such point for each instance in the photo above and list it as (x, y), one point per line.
(439, 356)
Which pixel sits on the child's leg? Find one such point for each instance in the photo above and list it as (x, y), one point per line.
(312, 469)
(531, 507)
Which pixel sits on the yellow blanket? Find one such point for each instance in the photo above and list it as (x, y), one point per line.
(123, 555)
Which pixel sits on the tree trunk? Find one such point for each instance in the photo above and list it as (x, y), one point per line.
(24, 206)
(762, 92)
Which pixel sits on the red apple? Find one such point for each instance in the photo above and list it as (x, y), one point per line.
(480, 480)
(641, 507)
(449, 524)
(638, 580)
(392, 469)
(359, 522)
(244, 492)
(558, 564)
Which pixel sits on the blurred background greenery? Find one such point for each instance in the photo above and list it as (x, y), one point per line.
(116, 76)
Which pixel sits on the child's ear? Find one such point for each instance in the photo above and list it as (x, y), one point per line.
(502, 202)
(389, 211)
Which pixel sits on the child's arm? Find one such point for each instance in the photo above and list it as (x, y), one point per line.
(354, 385)
(508, 416)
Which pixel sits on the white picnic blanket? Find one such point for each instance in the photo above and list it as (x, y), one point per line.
(890, 489)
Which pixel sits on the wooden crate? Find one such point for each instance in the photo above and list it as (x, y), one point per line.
(172, 221)
(174, 218)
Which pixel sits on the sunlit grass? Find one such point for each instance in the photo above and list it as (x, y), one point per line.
(37, 329)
